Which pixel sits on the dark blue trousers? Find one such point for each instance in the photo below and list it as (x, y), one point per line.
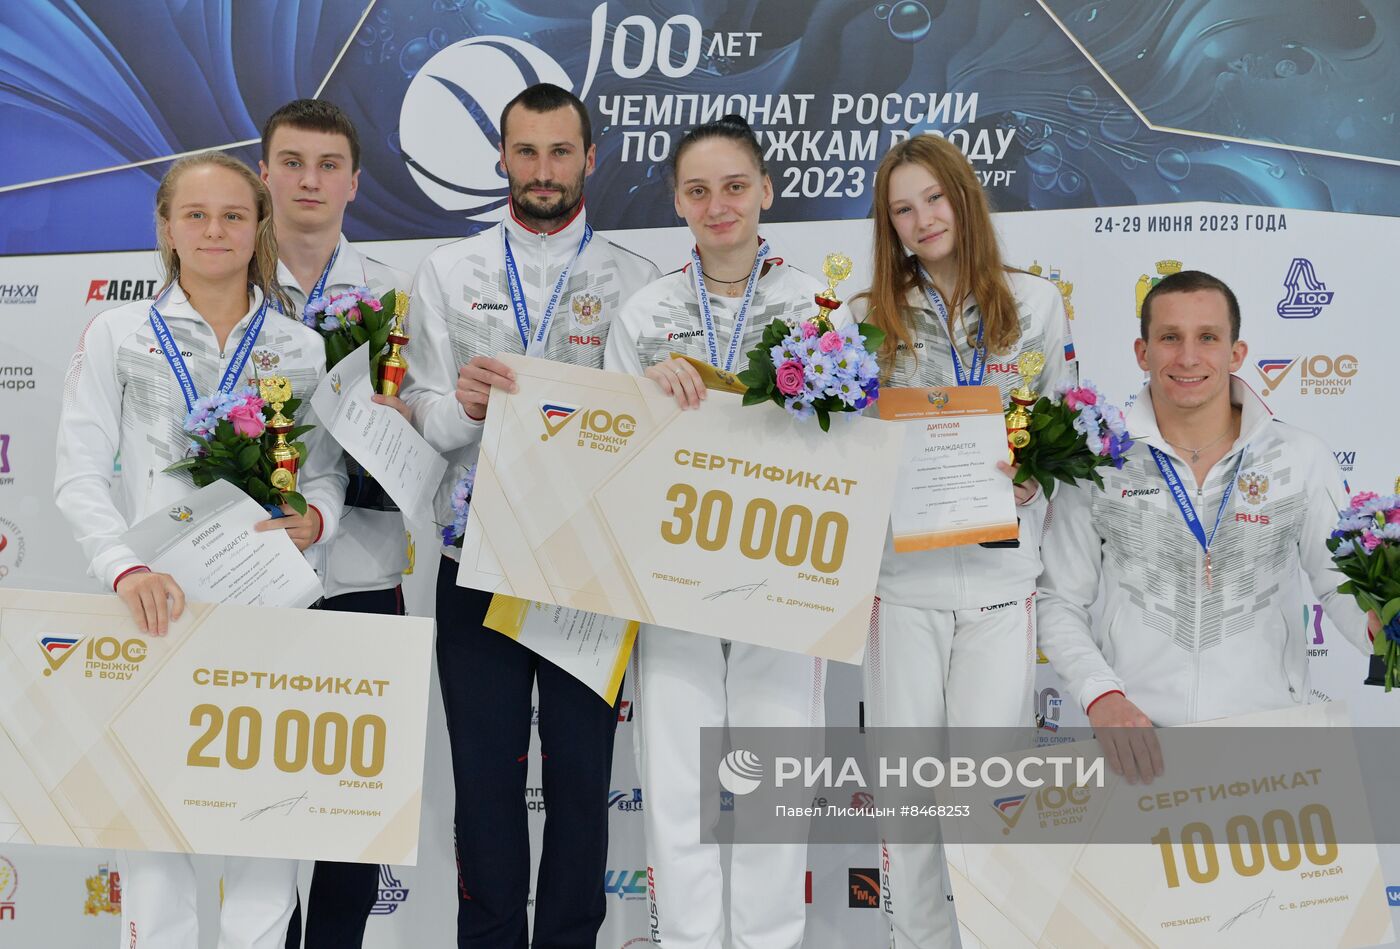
(486, 689)
(342, 894)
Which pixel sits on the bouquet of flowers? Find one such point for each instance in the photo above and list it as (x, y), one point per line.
(461, 505)
(230, 438)
(350, 319)
(1071, 437)
(813, 368)
(1366, 549)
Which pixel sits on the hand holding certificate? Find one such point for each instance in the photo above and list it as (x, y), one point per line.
(376, 436)
(209, 545)
(949, 490)
(252, 732)
(595, 491)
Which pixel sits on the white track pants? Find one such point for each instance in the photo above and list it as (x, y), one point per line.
(158, 902)
(936, 668)
(685, 682)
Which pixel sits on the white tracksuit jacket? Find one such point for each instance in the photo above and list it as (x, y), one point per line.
(1178, 650)
(370, 550)
(120, 393)
(461, 308)
(685, 681)
(970, 576)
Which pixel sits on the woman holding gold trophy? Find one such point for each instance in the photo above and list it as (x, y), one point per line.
(143, 371)
(714, 310)
(952, 641)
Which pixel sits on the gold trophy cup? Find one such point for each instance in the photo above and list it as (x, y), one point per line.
(276, 391)
(1018, 417)
(394, 366)
(837, 267)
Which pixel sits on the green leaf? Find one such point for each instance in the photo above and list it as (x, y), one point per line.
(824, 419)
(295, 501)
(754, 397)
(872, 336)
(337, 348)
(258, 490)
(248, 455)
(184, 464)
(1387, 612)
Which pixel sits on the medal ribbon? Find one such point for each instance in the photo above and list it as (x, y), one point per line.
(177, 362)
(697, 277)
(979, 355)
(1183, 500)
(318, 291)
(517, 294)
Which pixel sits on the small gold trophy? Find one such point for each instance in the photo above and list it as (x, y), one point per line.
(276, 391)
(1018, 417)
(394, 366)
(837, 267)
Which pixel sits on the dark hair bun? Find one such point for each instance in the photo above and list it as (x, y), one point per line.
(735, 121)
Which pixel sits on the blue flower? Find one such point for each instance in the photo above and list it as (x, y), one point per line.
(799, 408)
(330, 323)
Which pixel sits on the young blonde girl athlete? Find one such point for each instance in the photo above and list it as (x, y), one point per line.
(212, 320)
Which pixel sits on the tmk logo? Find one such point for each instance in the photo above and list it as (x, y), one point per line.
(392, 892)
(1304, 295)
(122, 290)
(626, 884)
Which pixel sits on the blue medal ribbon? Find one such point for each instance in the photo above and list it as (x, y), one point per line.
(177, 362)
(979, 355)
(319, 291)
(697, 277)
(1183, 500)
(517, 294)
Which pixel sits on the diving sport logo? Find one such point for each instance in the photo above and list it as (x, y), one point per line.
(1304, 295)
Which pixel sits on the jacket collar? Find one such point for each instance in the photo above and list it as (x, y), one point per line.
(349, 270)
(176, 305)
(1254, 416)
(570, 231)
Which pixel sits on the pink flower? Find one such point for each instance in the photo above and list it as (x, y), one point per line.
(1361, 497)
(1392, 516)
(1076, 399)
(790, 377)
(809, 329)
(254, 402)
(247, 420)
(831, 341)
(374, 304)
(1370, 541)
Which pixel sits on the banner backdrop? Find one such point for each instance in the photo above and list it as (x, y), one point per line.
(1118, 141)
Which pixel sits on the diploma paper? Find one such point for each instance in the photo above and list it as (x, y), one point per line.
(379, 438)
(207, 542)
(596, 492)
(254, 732)
(949, 490)
(588, 646)
(1047, 887)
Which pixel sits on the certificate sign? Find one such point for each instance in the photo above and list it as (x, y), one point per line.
(209, 544)
(379, 438)
(591, 647)
(244, 731)
(1266, 844)
(596, 492)
(949, 490)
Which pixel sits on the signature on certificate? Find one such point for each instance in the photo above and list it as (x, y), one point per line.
(747, 589)
(1259, 905)
(287, 803)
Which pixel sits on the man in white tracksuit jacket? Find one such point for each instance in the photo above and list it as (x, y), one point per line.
(1196, 626)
